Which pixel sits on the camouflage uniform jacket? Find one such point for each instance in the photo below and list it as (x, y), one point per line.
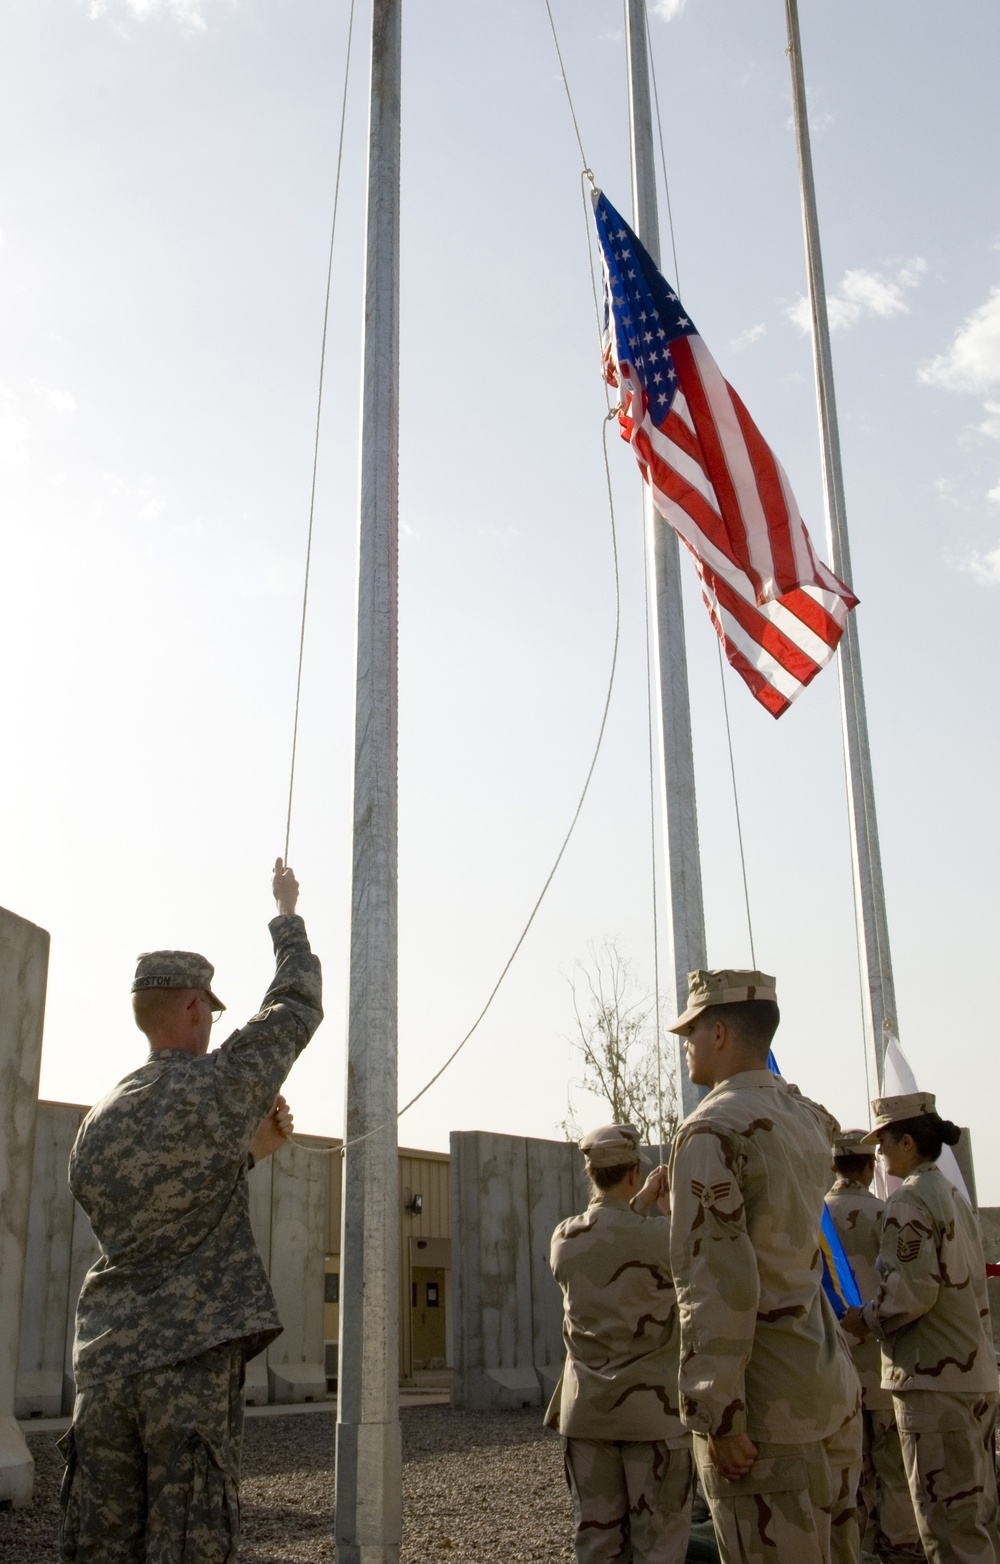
(931, 1310)
(160, 1167)
(619, 1380)
(857, 1217)
(761, 1350)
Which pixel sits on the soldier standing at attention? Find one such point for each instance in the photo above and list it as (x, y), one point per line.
(179, 1298)
(628, 1457)
(766, 1380)
(931, 1315)
(885, 1516)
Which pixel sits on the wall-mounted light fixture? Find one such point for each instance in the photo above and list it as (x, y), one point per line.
(415, 1205)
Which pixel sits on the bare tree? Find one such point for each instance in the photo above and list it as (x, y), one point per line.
(616, 1039)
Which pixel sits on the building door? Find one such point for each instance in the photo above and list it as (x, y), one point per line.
(427, 1317)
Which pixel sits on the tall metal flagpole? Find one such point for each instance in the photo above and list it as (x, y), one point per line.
(687, 914)
(368, 1524)
(869, 893)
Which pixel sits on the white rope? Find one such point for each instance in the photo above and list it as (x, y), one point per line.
(319, 410)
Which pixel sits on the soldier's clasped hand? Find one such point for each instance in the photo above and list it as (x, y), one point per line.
(285, 887)
(273, 1130)
(732, 1456)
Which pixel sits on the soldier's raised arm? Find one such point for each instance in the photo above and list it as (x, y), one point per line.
(252, 1064)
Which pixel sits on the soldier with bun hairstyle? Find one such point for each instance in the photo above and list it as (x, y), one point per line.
(931, 1315)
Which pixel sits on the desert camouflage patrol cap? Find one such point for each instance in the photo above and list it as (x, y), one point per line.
(613, 1146)
(175, 969)
(892, 1110)
(852, 1143)
(725, 986)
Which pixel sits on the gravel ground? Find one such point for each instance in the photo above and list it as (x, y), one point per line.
(478, 1488)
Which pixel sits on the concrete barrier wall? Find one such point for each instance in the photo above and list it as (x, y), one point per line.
(288, 1213)
(507, 1195)
(24, 959)
(45, 1300)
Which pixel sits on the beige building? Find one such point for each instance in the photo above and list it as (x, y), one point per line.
(424, 1258)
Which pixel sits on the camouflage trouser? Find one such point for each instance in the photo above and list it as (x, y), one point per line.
(153, 1465)
(947, 1445)
(631, 1500)
(797, 1504)
(889, 1526)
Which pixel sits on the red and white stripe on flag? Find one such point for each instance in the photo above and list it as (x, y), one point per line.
(778, 609)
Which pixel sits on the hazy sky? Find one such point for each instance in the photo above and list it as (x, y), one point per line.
(165, 205)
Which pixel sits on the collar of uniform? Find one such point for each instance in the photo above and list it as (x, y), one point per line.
(747, 1078)
(604, 1197)
(850, 1183)
(170, 1054)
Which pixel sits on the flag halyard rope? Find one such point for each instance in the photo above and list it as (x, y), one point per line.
(319, 412)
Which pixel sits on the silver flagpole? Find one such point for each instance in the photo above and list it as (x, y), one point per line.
(687, 914)
(368, 1525)
(869, 893)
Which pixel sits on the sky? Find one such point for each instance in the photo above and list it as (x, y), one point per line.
(165, 212)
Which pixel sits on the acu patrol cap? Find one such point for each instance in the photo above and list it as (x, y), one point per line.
(613, 1146)
(852, 1143)
(726, 986)
(175, 969)
(892, 1110)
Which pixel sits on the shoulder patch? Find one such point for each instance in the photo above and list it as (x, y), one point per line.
(908, 1243)
(711, 1194)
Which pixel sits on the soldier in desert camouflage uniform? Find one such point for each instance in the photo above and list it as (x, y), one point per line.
(766, 1379)
(888, 1524)
(179, 1298)
(628, 1457)
(931, 1314)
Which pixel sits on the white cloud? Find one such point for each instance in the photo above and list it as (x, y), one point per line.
(863, 292)
(994, 494)
(747, 338)
(189, 13)
(985, 567)
(668, 9)
(56, 401)
(990, 426)
(800, 314)
(972, 363)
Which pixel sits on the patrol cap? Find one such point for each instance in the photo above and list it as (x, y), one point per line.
(721, 987)
(175, 969)
(613, 1146)
(892, 1110)
(852, 1143)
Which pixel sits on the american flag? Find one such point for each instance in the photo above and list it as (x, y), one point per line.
(777, 608)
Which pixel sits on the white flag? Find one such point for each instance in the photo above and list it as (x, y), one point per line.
(898, 1080)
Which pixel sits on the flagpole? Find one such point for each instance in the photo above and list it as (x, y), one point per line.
(687, 915)
(869, 892)
(368, 1524)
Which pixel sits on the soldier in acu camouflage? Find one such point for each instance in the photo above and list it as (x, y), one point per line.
(931, 1316)
(885, 1516)
(767, 1384)
(178, 1299)
(628, 1457)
